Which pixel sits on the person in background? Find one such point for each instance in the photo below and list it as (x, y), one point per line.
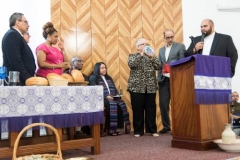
(171, 52)
(76, 63)
(100, 77)
(17, 55)
(49, 58)
(26, 36)
(142, 85)
(214, 44)
(235, 111)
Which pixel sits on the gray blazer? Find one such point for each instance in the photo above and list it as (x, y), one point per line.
(177, 52)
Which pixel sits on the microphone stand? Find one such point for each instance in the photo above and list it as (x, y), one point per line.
(192, 39)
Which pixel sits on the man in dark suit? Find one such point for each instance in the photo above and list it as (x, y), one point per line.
(169, 53)
(214, 44)
(17, 56)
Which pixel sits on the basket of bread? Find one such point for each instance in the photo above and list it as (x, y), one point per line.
(57, 156)
(56, 80)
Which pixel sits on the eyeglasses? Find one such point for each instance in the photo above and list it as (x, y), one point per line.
(79, 61)
(145, 44)
(171, 37)
(23, 21)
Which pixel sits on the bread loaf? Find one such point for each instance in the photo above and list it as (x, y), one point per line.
(36, 81)
(54, 76)
(77, 75)
(68, 77)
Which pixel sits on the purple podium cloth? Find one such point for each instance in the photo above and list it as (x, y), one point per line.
(212, 78)
(61, 107)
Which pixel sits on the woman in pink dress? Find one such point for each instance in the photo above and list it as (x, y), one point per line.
(49, 58)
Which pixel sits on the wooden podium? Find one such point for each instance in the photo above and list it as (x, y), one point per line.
(194, 126)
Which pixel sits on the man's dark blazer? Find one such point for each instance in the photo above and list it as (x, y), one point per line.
(177, 52)
(17, 55)
(222, 46)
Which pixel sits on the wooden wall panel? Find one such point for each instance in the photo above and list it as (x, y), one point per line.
(98, 16)
(107, 30)
(124, 18)
(68, 15)
(55, 13)
(84, 50)
(136, 18)
(147, 19)
(111, 18)
(84, 16)
(158, 20)
(177, 19)
(112, 58)
(98, 48)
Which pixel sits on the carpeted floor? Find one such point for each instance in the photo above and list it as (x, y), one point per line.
(127, 147)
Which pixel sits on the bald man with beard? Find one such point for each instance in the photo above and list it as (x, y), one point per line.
(215, 44)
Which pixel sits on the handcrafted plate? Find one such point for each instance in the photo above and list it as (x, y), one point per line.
(85, 83)
(149, 50)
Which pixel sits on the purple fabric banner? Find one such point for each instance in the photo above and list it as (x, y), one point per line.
(16, 124)
(212, 78)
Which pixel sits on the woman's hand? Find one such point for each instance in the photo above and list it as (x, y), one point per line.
(65, 65)
(61, 44)
(109, 97)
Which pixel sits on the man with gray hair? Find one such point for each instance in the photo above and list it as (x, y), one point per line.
(17, 56)
(76, 63)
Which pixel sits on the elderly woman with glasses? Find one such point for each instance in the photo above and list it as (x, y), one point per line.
(49, 58)
(142, 85)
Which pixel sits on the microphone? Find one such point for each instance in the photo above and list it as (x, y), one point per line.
(203, 36)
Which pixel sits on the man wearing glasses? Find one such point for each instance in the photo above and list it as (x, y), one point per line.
(169, 53)
(17, 56)
(76, 63)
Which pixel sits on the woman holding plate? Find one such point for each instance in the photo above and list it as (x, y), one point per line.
(142, 85)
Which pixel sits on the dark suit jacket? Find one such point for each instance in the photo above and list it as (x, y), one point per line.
(17, 55)
(177, 52)
(222, 46)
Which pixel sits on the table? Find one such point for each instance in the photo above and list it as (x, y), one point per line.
(59, 106)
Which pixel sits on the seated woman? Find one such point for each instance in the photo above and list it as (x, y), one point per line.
(50, 59)
(100, 77)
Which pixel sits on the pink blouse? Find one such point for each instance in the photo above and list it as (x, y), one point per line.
(53, 56)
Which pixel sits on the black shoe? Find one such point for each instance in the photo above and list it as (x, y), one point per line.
(164, 130)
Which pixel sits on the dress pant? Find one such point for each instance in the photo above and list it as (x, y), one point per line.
(164, 97)
(144, 102)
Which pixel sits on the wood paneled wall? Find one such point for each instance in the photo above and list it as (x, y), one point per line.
(106, 30)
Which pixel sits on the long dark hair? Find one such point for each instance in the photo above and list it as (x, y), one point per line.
(96, 70)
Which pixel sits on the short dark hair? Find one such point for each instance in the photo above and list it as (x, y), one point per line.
(14, 17)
